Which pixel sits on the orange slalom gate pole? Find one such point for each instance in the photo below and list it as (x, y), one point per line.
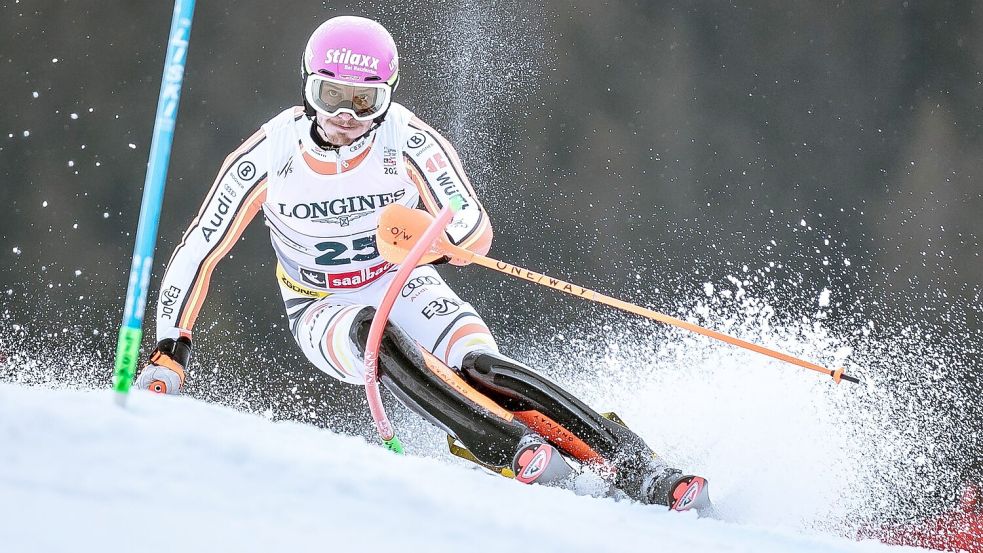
(376, 329)
(400, 226)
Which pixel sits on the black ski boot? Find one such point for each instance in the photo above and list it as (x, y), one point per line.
(677, 491)
(537, 462)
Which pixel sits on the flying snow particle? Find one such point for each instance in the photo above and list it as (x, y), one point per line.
(105, 215)
(71, 163)
(132, 146)
(802, 223)
(27, 133)
(708, 289)
(824, 298)
(16, 250)
(54, 60)
(75, 226)
(74, 115)
(35, 94)
(846, 262)
(78, 272)
(44, 203)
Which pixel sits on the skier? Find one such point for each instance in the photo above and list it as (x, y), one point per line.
(321, 174)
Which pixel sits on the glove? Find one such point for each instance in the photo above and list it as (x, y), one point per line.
(165, 372)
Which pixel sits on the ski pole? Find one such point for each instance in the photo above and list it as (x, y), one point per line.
(399, 226)
(131, 330)
(423, 243)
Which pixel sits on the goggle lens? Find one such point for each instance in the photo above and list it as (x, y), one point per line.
(329, 97)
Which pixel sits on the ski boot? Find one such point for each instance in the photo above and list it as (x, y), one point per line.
(537, 462)
(679, 492)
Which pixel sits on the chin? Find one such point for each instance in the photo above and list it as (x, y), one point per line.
(339, 139)
(347, 135)
(341, 135)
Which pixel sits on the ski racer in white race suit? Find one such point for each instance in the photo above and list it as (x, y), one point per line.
(321, 175)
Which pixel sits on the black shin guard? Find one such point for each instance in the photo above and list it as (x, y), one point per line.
(518, 389)
(403, 371)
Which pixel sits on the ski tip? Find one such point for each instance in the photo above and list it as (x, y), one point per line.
(693, 494)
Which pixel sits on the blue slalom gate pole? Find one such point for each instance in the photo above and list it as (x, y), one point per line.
(131, 331)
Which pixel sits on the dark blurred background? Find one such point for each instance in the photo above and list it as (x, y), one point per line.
(641, 148)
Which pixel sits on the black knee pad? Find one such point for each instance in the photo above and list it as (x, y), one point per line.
(403, 371)
(519, 388)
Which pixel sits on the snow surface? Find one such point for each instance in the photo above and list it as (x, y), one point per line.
(78, 473)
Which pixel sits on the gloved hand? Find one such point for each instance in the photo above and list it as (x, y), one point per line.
(165, 372)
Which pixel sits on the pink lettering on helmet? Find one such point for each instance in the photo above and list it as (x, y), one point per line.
(347, 57)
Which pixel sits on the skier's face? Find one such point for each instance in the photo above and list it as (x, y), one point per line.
(342, 129)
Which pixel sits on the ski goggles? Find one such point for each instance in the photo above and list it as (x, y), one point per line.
(364, 101)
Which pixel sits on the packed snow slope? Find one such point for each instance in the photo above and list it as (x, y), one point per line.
(78, 473)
